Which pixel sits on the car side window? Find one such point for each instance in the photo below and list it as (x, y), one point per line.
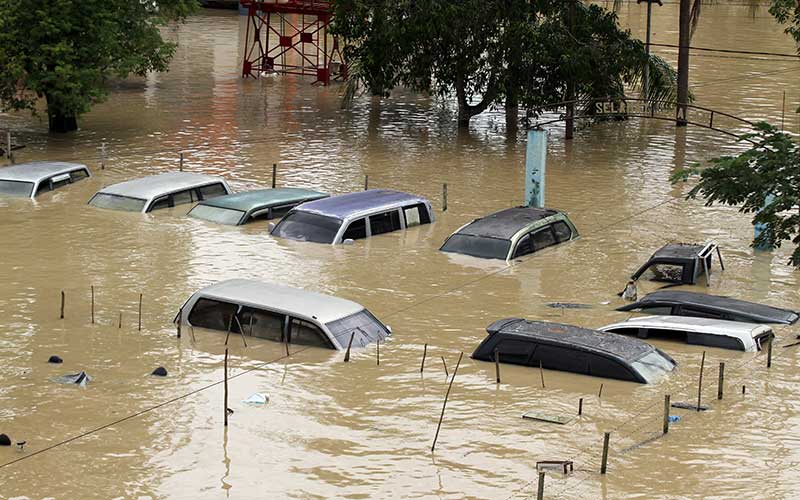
(77, 175)
(385, 222)
(278, 212)
(515, 351)
(60, 181)
(699, 313)
(562, 230)
(44, 187)
(600, 366)
(212, 191)
(416, 215)
(305, 333)
(182, 197)
(657, 310)
(356, 230)
(524, 246)
(262, 324)
(159, 203)
(543, 238)
(213, 314)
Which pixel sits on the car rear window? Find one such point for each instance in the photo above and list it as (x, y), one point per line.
(116, 202)
(216, 214)
(477, 246)
(363, 323)
(304, 226)
(16, 188)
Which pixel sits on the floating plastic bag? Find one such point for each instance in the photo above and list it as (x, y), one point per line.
(257, 399)
(80, 379)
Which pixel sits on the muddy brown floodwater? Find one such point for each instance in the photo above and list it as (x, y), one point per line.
(358, 430)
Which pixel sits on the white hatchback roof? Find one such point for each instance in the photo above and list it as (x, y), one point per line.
(37, 171)
(146, 188)
(323, 308)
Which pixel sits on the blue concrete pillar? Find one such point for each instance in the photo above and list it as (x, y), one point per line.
(535, 162)
(760, 228)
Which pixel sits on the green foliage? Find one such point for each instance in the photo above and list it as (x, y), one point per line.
(787, 12)
(770, 167)
(488, 52)
(65, 50)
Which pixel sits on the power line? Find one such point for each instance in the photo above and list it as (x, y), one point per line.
(728, 51)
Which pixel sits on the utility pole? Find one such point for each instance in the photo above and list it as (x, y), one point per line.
(646, 79)
(570, 121)
(684, 37)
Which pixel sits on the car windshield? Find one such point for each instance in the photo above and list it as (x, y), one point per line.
(363, 321)
(217, 214)
(304, 226)
(653, 366)
(15, 188)
(116, 202)
(477, 246)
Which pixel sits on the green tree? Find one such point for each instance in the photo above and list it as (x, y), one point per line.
(64, 51)
(764, 181)
(491, 52)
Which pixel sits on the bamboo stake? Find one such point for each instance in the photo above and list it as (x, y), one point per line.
(102, 156)
(700, 381)
(541, 373)
(769, 354)
(580, 407)
(604, 464)
(600, 392)
(446, 373)
(444, 405)
(424, 354)
(721, 381)
(63, 299)
(366, 182)
(120, 320)
(349, 345)
(274, 175)
(180, 320)
(225, 367)
(180, 168)
(497, 365)
(666, 413)
(540, 488)
(444, 197)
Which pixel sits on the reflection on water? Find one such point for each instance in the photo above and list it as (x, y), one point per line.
(358, 430)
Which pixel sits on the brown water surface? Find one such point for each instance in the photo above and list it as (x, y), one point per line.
(358, 430)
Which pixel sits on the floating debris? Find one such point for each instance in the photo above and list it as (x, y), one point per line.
(160, 372)
(689, 406)
(80, 379)
(563, 466)
(568, 305)
(55, 359)
(5, 440)
(674, 418)
(547, 417)
(256, 399)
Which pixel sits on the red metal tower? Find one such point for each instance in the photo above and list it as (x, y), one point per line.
(291, 37)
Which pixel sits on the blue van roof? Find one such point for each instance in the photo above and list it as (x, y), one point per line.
(345, 205)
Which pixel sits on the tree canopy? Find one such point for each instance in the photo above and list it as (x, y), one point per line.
(764, 180)
(64, 51)
(487, 52)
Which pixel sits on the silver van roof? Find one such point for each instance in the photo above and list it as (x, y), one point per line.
(38, 170)
(323, 308)
(151, 186)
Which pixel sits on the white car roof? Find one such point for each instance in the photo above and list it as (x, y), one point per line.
(710, 326)
(38, 170)
(146, 188)
(323, 308)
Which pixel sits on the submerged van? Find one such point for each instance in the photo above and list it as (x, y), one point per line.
(354, 216)
(511, 233)
(29, 180)
(155, 192)
(734, 335)
(282, 314)
(573, 349)
(240, 208)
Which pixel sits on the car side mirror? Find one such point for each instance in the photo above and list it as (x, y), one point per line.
(389, 329)
(348, 241)
(271, 226)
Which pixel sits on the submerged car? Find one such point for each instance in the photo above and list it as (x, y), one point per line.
(696, 331)
(241, 208)
(573, 349)
(701, 305)
(282, 314)
(160, 191)
(354, 216)
(511, 233)
(680, 263)
(29, 180)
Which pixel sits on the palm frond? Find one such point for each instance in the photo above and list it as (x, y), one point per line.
(663, 84)
(354, 85)
(694, 17)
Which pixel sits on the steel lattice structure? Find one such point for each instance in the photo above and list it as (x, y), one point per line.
(291, 37)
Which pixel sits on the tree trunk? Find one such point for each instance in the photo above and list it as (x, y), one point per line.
(684, 36)
(466, 110)
(512, 111)
(58, 120)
